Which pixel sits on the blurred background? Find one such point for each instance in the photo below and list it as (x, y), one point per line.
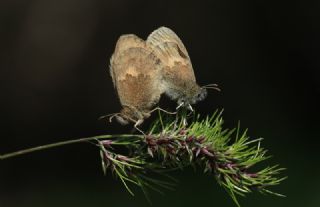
(55, 83)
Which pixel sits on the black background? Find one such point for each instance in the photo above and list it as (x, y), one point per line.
(55, 83)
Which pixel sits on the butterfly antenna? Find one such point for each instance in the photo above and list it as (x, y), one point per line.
(212, 86)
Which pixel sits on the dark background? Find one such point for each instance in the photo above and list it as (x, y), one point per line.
(55, 83)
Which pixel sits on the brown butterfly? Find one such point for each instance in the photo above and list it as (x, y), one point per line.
(143, 70)
(135, 72)
(177, 71)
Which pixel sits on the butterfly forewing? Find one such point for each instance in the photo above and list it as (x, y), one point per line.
(171, 51)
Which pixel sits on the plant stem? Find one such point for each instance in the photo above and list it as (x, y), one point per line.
(57, 144)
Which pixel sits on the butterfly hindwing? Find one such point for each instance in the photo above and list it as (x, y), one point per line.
(135, 71)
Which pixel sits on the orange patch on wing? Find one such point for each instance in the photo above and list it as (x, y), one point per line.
(131, 71)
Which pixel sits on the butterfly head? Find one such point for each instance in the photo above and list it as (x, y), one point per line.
(192, 95)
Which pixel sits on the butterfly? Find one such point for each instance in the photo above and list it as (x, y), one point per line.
(142, 71)
(177, 71)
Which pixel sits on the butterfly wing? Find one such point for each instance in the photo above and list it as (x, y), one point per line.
(135, 73)
(168, 47)
(124, 43)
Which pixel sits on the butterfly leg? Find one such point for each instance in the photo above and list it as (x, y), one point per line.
(187, 110)
(111, 116)
(140, 121)
(160, 109)
(190, 107)
(180, 105)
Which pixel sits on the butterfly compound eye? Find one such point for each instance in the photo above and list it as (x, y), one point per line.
(202, 94)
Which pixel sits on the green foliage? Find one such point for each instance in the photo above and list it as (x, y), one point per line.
(172, 144)
(146, 160)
